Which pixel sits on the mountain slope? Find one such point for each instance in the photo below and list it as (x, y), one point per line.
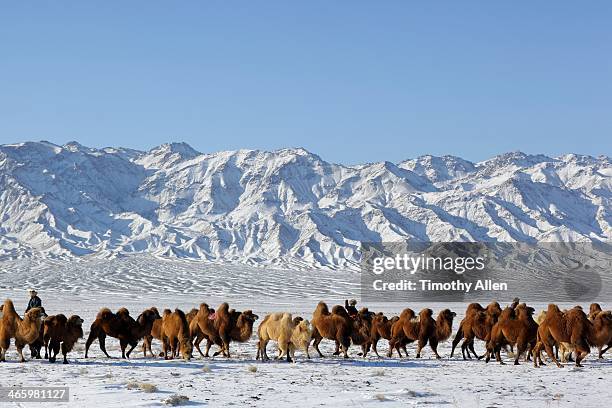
(285, 207)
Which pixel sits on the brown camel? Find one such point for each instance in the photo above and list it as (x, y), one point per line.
(37, 345)
(233, 326)
(175, 335)
(406, 323)
(203, 327)
(121, 326)
(572, 327)
(155, 333)
(514, 327)
(336, 326)
(476, 324)
(600, 335)
(434, 331)
(361, 331)
(381, 329)
(58, 329)
(24, 331)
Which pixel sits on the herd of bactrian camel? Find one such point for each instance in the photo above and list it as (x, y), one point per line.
(568, 334)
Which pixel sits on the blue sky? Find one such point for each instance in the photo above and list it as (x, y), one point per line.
(354, 81)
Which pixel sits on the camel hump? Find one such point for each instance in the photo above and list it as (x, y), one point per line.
(180, 313)
(166, 312)
(123, 312)
(8, 306)
(223, 308)
(61, 319)
(340, 311)
(407, 314)
(322, 308)
(104, 313)
(426, 313)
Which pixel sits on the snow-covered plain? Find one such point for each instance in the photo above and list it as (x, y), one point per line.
(82, 286)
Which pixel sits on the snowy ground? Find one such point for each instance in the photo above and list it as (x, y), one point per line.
(138, 282)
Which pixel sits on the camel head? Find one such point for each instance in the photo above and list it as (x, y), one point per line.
(380, 319)
(154, 310)
(249, 316)
(36, 313)
(75, 320)
(448, 315)
(186, 348)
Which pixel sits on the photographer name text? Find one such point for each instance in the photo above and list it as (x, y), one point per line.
(427, 285)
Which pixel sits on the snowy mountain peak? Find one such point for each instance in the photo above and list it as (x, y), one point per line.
(286, 207)
(439, 169)
(181, 148)
(167, 155)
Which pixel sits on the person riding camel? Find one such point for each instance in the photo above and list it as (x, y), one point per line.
(350, 307)
(34, 300)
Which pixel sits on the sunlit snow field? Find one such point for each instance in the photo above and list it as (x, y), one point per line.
(137, 282)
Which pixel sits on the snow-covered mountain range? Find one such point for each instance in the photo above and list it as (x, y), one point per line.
(288, 206)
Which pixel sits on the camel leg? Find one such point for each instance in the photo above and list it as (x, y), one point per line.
(582, 349)
(520, 348)
(196, 344)
(264, 351)
(337, 352)
(433, 344)
(132, 347)
(391, 347)
(20, 352)
(102, 341)
(551, 353)
(289, 359)
(456, 341)
(498, 355)
(146, 344)
(64, 353)
(464, 349)
(93, 334)
(471, 345)
(53, 350)
(317, 339)
(208, 345)
(422, 343)
(123, 344)
(536, 354)
(374, 345)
